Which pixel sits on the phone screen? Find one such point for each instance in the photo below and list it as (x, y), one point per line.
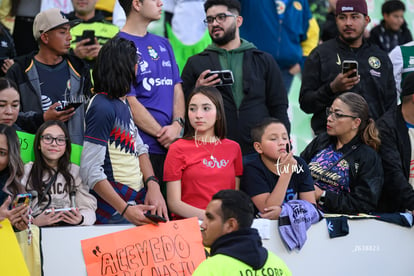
(89, 34)
(349, 65)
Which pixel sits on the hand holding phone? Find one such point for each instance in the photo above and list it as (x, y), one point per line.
(225, 76)
(89, 34)
(348, 65)
(64, 105)
(155, 218)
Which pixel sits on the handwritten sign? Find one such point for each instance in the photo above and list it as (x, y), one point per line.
(172, 248)
(27, 153)
(11, 258)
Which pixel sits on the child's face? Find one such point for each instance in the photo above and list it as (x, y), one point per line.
(4, 152)
(52, 149)
(274, 141)
(394, 20)
(202, 114)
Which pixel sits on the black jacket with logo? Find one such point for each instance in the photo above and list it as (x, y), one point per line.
(377, 83)
(366, 176)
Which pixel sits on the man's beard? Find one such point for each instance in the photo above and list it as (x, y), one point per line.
(226, 38)
(350, 40)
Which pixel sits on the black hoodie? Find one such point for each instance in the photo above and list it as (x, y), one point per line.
(244, 245)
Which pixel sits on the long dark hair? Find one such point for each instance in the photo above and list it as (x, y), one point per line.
(214, 95)
(367, 129)
(114, 69)
(15, 166)
(40, 167)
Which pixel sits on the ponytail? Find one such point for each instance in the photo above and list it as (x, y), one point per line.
(370, 135)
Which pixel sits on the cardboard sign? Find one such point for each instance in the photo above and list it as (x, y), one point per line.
(27, 153)
(172, 248)
(11, 258)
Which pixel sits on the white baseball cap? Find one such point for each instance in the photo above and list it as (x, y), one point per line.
(50, 19)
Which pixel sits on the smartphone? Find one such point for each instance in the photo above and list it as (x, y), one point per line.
(58, 210)
(22, 199)
(287, 148)
(225, 76)
(89, 34)
(155, 218)
(66, 105)
(348, 65)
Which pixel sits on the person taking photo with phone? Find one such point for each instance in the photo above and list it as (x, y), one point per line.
(61, 196)
(258, 90)
(323, 78)
(91, 33)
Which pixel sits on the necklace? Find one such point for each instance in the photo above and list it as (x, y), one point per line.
(203, 143)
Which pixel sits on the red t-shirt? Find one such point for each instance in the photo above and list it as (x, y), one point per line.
(201, 175)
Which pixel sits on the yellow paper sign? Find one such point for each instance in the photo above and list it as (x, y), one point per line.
(172, 248)
(11, 258)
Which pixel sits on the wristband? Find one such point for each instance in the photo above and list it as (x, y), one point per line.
(153, 178)
(126, 207)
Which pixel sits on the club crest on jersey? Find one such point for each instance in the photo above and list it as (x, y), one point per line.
(280, 7)
(152, 53)
(374, 62)
(297, 5)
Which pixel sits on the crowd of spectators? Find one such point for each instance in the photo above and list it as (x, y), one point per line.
(163, 142)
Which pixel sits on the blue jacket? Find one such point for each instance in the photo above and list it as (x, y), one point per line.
(280, 33)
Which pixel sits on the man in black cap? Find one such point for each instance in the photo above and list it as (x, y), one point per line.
(397, 151)
(50, 77)
(323, 77)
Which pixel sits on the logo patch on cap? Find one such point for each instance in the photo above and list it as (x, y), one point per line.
(347, 9)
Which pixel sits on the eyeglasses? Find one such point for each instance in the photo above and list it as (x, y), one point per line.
(220, 18)
(336, 115)
(48, 140)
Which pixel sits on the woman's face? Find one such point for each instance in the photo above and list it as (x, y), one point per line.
(202, 114)
(341, 121)
(9, 106)
(52, 144)
(4, 152)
